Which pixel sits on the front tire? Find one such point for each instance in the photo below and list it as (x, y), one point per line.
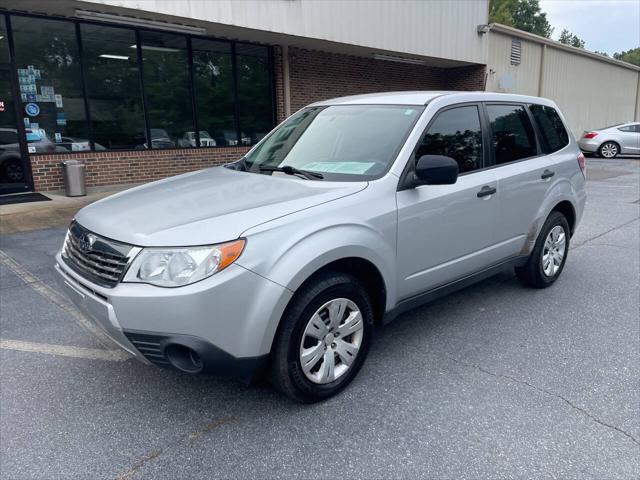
(323, 339)
(546, 262)
(609, 150)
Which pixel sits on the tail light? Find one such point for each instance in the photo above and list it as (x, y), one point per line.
(590, 134)
(581, 164)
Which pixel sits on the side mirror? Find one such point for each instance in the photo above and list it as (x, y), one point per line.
(436, 170)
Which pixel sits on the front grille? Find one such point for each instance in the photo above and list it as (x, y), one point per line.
(149, 346)
(95, 258)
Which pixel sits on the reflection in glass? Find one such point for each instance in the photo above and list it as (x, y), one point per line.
(455, 133)
(213, 81)
(113, 88)
(166, 86)
(49, 77)
(512, 133)
(254, 93)
(551, 127)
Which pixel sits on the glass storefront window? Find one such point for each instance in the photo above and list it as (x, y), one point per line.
(113, 87)
(255, 104)
(166, 86)
(140, 88)
(213, 82)
(50, 83)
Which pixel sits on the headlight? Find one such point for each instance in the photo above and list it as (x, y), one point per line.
(175, 267)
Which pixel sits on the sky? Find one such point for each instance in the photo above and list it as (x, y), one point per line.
(605, 25)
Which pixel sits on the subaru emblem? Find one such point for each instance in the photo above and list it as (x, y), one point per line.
(86, 242)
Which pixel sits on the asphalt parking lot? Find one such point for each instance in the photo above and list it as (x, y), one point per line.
(493, 381)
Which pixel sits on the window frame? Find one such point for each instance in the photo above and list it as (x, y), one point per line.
(137, 29)
(411, 163)
(534, 125)
(538, 130)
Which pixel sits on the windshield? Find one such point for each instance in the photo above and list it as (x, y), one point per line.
(341, 142)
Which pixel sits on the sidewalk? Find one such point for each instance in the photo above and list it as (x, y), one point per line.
(24, 217)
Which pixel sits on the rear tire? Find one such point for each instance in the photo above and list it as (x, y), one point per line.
(321, 345)
(549, 255)
(609, 150)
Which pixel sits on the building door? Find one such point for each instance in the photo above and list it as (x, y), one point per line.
(14, 176)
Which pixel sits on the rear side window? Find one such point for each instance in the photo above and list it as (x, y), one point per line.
(511, 133)
(630, 128)
(554, 135)
(455, 133)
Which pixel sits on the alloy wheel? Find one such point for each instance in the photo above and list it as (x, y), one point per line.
(609, 150)
(554, 251)
(331, 341)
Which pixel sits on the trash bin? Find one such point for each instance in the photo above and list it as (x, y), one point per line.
(73, 172)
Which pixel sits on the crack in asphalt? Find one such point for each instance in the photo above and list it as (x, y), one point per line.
(575, 407)
(578, 245)
(190, 438)
(545, 391)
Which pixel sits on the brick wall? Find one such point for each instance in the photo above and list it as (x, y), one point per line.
(110, 168)
(466, 78)
(316, 75)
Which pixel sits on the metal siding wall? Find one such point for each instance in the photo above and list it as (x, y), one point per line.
(524, 76)
(591, 94)
(438, 29)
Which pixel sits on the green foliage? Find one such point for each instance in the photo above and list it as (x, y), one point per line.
(631, 56)
(569, 38)
(521, 14)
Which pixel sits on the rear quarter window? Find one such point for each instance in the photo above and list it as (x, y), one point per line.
(554, 134)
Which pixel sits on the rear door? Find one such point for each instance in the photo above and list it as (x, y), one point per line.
(446, 232)
(526, 166)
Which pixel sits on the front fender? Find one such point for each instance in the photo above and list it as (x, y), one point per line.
(301, 255)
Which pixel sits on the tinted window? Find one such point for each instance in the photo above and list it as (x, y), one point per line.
(48, 67)
(511, 133)
(554, 135)
(113, 87)
(630, 128)
(213, 79)
(455, 133)
(166, 86)
(254, 93)
(4, 43)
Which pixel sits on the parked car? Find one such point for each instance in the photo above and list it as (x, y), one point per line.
(350, 212)
(609, 142)
(189, 139)
(11, 164)
(159, 139)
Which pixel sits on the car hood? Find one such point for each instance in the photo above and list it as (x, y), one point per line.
(205, 207)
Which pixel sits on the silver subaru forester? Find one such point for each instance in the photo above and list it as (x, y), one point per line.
(350, 212)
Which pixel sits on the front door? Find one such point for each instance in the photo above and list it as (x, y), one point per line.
(446, 232)
(13, 172)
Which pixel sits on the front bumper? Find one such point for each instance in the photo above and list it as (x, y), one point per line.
(229, 319)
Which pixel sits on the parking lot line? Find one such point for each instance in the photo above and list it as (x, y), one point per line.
(54, 297)
(64, 350)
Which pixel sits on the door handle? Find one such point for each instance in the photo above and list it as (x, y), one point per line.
(547, 174)
(486, 191)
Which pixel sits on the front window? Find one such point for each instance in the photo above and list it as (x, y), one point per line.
(340, 142)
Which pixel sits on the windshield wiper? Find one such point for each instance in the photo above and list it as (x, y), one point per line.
(289, 170)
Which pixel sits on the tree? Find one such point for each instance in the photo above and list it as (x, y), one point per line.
(630, 56)
(521, 14)
(569, 38)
